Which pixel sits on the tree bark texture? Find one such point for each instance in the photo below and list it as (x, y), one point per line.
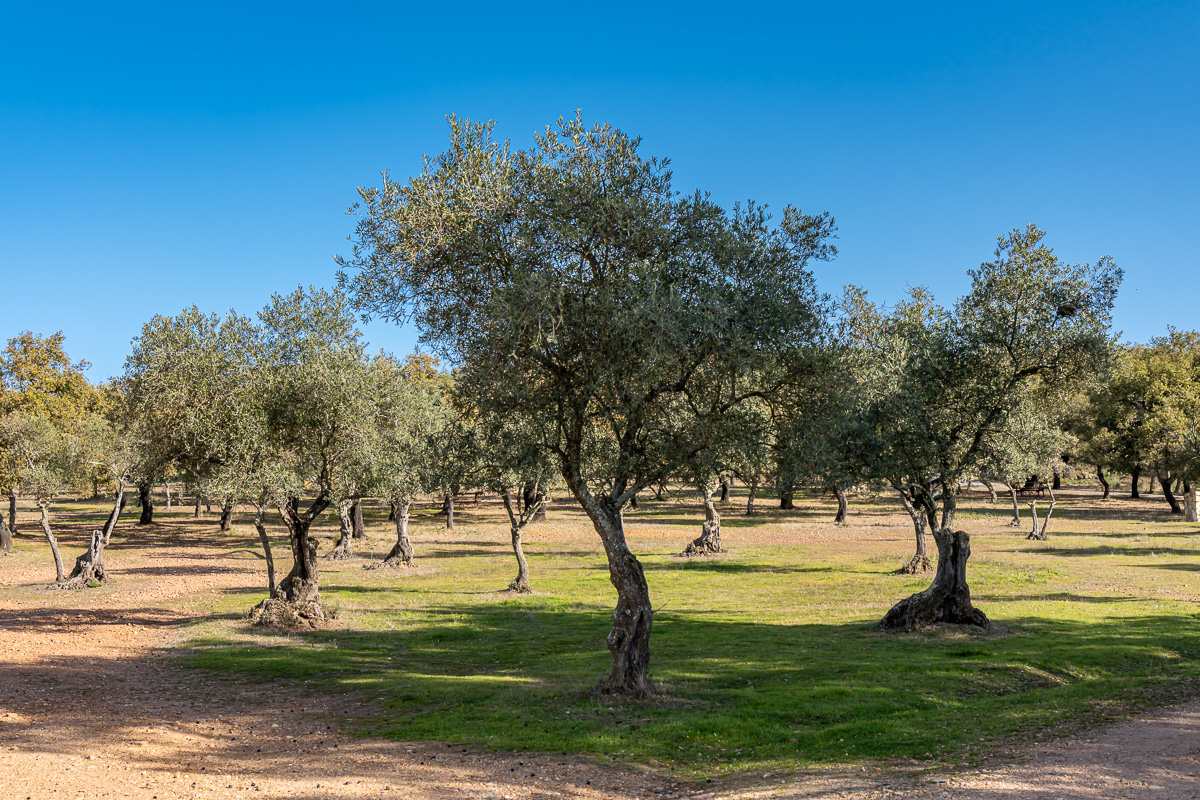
(518, 520)
(266, 543)
(920, 561)
(1015, 522)
(60, 574)
(750, 497)
(356, 520)
(709, 541)
(345, 543)
(146, 501)
(298, 597)
(449, 508)
(1038, 533)
(843, 505)
(725, 484)
(401, 554)
(991, 487)
(1103, 483)
(1165, 482)
(391, 512)
(787, 498)
(89, 567)
(226, 515)
(12, 510)
(167, 491)
(948, 598)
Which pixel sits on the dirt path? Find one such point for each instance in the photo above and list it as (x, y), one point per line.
(91, 707)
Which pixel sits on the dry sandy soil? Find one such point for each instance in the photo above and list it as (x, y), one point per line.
(92, 706)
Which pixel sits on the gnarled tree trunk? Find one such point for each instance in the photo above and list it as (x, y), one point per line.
(948, 598)
(753, 487)
(517, 523)
(1039, 531)
(1103, 482)
(12, 510)
(356, 520)
(89, 567)
(259, 526)
(709, 541)
(843, 505)
(629, 639)
(1165, 482)
(226, 515)
(401, 554)
(345, 543)
(920, 561)
(448, 509)
(298, 596)
(991, 487)
(60, 574)
(391, 512)
(146, 501)
(787, 497)
(725, 484)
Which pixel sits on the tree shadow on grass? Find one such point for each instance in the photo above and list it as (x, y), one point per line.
(739, 694)
(1114, 550)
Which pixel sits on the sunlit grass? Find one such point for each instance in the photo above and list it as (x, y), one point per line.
(769, 657)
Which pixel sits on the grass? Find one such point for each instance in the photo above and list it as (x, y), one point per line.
(769, 657)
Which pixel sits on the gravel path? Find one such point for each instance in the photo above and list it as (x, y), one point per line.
(91, 707)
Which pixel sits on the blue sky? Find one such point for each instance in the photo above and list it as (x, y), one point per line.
(154, 156)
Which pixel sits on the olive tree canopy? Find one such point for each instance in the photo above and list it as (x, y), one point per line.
(573, 287)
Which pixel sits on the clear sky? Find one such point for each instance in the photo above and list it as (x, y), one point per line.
(158, 155)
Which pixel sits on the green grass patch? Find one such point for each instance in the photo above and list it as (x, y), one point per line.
(769, 658)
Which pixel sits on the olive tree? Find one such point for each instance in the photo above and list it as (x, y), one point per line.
(1029, 322)
(570, 282)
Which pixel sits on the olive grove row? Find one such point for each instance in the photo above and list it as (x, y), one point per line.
(607, 336)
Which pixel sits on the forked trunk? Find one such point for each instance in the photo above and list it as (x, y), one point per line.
(356, 520)
(297, 600)
(991, 487)
(345, 543)
(266, 543)
(89, 567)
(60, 574)
(709, 541)
(1103, 482)
(1039, 530)
(401, 554)
(146, 501)
(948, 598)
(1134, 477)
(226, 515)
(517, 522)
(920, 561)
(843, 505)
(5, 537)
(1165, 481)
(530, 498)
